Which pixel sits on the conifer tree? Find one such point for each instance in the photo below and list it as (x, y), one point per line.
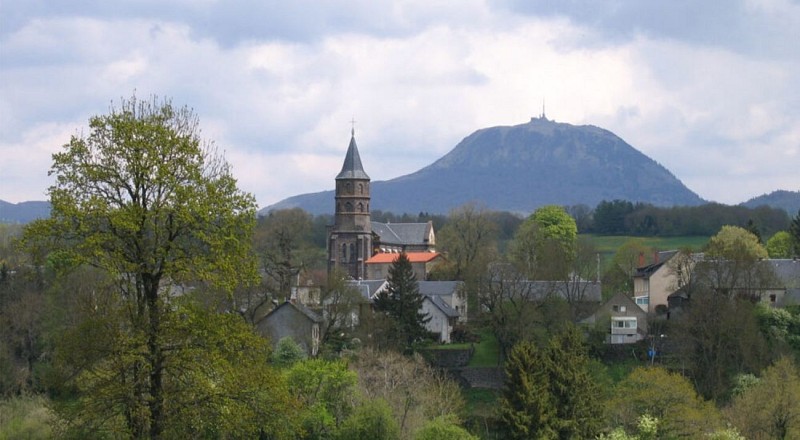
(575, 395)
(402, 302)
(526, 407)
(794, 230)
(549, 393)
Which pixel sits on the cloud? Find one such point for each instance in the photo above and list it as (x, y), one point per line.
(275, 84)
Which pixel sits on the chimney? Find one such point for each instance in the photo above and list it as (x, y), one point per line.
(655, 257)
(641, 259)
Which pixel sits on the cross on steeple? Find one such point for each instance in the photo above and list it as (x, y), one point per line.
(353, 126)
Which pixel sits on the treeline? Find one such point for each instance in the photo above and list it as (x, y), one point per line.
(620, 217)
(616, 217)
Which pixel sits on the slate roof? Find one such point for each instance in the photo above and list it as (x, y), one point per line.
(438, 288)
(414, 257)
(352, 168)
(787, 271)
(308, 313)
(402, 233)
(368, 288)
(663, 257)
(443, 306)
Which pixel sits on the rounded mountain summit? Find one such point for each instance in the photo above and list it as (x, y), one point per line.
(520, 168)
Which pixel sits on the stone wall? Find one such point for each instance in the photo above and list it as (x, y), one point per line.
(480, 377)
(448, 358)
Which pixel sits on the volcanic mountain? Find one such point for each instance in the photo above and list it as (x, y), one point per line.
(519, 168)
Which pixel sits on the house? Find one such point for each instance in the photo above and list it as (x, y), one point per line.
(295, 321)
(421, 264)
(775, 282)
(403, 237)
(444, 302)
(653, 283)
(627, 322)
(451, 292)
(442, 317)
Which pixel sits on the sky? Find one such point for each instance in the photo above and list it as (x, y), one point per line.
(709, 89)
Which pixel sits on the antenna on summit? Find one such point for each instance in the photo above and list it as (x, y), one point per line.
(543, 115)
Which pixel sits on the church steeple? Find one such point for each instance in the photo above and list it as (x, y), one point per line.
(350, 237)
(352, 168)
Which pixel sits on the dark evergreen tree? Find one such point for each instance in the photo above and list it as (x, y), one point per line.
(794, 230)
(753, 229)
(550, 393)
(402, 302)
(579, 412)
(527, 409)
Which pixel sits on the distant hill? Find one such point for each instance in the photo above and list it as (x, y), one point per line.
(520, 168)
(23, 212)
(787, 200)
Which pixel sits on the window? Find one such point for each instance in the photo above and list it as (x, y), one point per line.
(623, 323)
(642, 300)
(348, 207)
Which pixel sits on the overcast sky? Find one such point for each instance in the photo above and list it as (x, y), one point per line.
(709, 89)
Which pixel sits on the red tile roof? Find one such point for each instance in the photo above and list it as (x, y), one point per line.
(414, 257)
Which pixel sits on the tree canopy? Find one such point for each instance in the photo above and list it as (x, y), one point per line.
(145, 199)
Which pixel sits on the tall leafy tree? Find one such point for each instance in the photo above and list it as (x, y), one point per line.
(145, 199)
(771, 407)
(780, 245)
(403, 303)
(545, 244)
(667, 396)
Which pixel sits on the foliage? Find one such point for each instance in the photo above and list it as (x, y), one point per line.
(733, 242)
(27, 417)
(402, 302)
(142, 198)
(618, 277)
(443, 428)
(287, 352)
(282, 240)
(339, 301)
(794, 230)
(468, 240)
(549, 393)
(326, 391)
(781, 326)
(510, 312)
(771, 407)
(544, 246)
(716, 339)
(647, 429)
(217, 378)
(370, 421)
(527, 408)
(780, 245)
(579, 412)
(669, 397)
(414, 391)
(620, 217)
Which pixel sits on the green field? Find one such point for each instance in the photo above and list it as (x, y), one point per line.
(607, 245)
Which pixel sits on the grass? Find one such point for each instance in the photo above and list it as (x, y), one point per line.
(487, 351)
(607, 245)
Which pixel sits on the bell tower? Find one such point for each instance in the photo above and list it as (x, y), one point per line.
(350, 238)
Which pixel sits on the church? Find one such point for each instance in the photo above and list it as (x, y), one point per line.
(356, 244)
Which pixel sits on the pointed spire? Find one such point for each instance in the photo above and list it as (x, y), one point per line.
(352, 168)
